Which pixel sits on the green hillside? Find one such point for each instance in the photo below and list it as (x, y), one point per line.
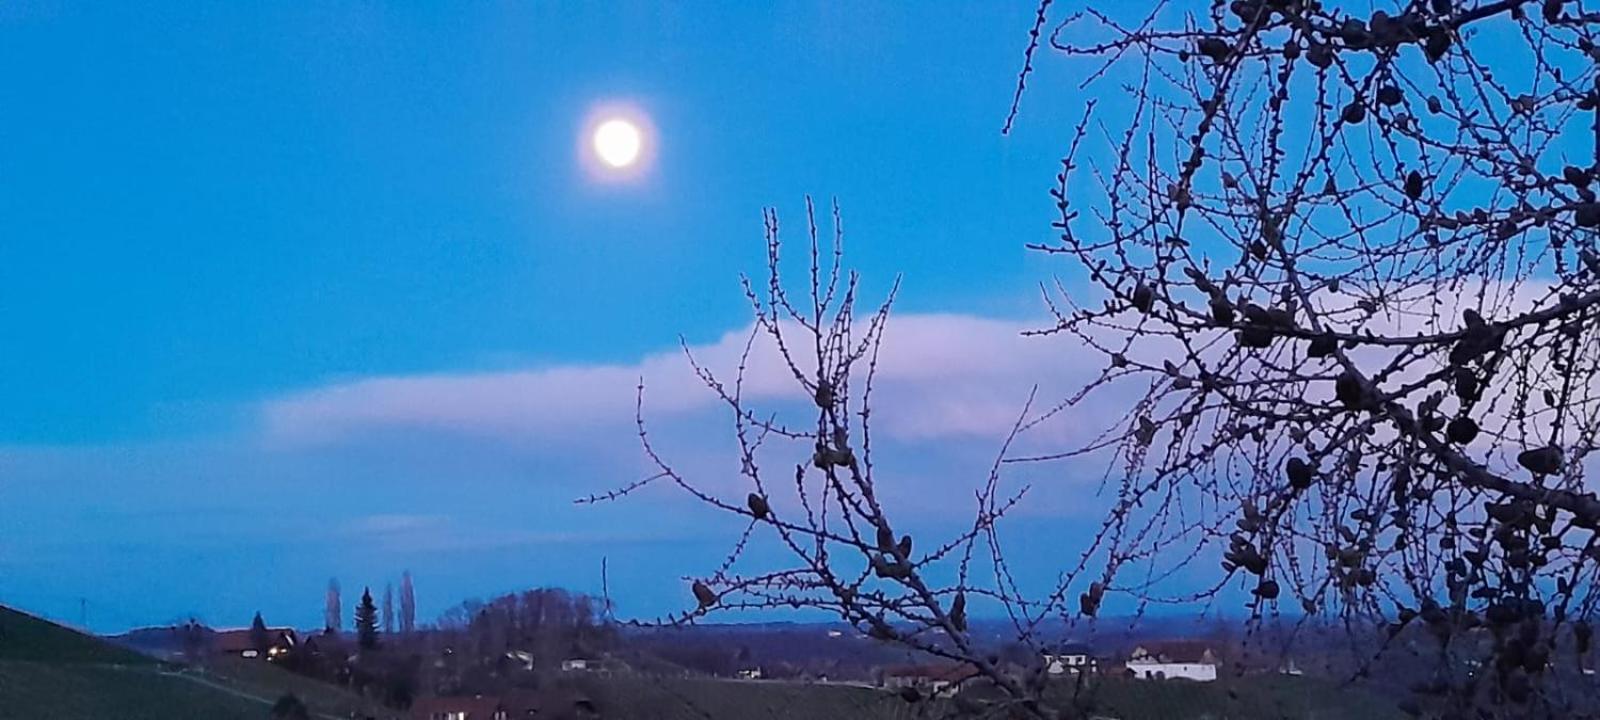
(25, 637)
(644, 698)
(267, 680)
(50, 671)
(1266, 697)
(144, 692)
(1257, 697)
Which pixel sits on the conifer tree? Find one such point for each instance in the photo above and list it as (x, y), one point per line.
(258, 634)
(367, 621)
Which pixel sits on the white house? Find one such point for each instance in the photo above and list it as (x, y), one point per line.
(1186, 660)
(575, 665)
(1071, 657)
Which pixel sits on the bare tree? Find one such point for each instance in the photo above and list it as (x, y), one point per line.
(824, 509)
(1344, 260)
(1347, 254)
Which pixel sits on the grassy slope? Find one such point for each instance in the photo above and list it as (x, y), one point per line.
(24, 637)
(265, 680)
(73, 691)
(49, 671)
(639, 698)
(1256, 698)
(1259, 697)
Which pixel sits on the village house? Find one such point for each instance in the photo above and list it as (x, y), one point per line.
(1069, 658)
(1177, 659)
(240, 643)
(931, 679)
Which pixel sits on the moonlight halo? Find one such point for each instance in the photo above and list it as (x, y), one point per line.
(618, 142)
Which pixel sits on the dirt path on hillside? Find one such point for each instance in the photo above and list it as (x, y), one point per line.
(231, 690)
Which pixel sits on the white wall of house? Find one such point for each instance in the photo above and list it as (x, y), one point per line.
(1061, 664)
(1198, 672)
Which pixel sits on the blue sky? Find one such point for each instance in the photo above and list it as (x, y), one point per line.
(215, 214)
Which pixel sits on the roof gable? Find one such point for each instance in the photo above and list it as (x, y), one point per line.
(240, 640)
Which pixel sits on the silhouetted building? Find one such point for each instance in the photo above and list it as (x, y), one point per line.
(241, 643)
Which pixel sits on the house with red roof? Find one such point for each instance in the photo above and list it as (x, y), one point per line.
(240, 643)
(931, 679)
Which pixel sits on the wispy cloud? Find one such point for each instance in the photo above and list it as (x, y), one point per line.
(401, 534)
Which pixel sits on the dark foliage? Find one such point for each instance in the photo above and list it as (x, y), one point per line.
(290, 707)
(367, 621)
(259, 639)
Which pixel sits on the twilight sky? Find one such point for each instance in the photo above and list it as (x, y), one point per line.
(293, 291)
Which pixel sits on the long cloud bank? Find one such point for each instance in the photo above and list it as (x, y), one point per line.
(940, 376)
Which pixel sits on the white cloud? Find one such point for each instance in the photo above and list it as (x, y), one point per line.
(940, 376)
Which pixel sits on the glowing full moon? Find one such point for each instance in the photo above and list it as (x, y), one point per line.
(617, 142)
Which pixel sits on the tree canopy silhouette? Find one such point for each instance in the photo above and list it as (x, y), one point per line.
(259, 638)
(367, 621)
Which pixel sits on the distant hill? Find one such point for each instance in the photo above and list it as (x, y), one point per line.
(51, 671)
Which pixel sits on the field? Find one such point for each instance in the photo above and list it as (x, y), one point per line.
(640, 698)
(1256, 698)
(1252, 698)
(142, 692)
(264, 680)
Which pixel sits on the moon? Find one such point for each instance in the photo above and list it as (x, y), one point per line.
(618, 142)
